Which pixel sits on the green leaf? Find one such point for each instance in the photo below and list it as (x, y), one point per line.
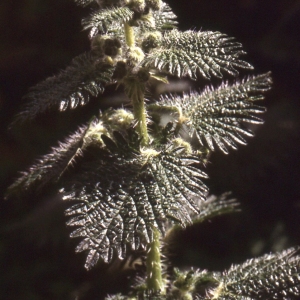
(117, 297)
(212, 207)
(162, 79)
(129, 190)
(271, 276)
(72, 87)
(84, 2)
(189, 52)
(163, 19)
(51, 166)
(102, 3)
(215, 206)
(217, 116)
(144, 295)
(102, 19)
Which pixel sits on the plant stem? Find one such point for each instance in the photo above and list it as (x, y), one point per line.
(153, 263)
(136, 93)
(139, 111)
(129, 35)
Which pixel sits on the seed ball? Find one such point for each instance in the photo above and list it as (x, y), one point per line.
(111, 51)
(136, 54)
(151, 40)
(120, 70)
(136, 17)
(117, 43)
(146, 10)
(137, 5)
(154, 4)
(97, 43)
(111, 47)
(143, 75)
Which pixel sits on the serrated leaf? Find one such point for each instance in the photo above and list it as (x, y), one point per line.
(102, 19)
(51, 166)
(127, 192)
(271, 276)
(84, 2)
(162, 79)
(72, 87)
(217, 115)
(102, 3)
(189, 52)
(214, 206)
(142, 294)
(163, 19)
(117, 297)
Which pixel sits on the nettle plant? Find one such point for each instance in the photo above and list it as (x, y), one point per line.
(134, 175)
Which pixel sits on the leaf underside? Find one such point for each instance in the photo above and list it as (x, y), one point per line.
(189, 52)
(125, 194)
(217, 116)
(85, 77)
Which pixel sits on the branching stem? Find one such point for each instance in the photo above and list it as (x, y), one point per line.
(153, 263)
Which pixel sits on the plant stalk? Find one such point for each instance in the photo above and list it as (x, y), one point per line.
(136, 92)
(129, 35)
(139, 111)
(153, 262)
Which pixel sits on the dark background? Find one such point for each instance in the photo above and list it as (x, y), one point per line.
(40, 37)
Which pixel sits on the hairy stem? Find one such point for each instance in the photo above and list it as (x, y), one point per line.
(139, 111)
(136, 93)
(129, 35)
(153, 263)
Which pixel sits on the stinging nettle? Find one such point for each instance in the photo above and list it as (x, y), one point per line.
(134, 175)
